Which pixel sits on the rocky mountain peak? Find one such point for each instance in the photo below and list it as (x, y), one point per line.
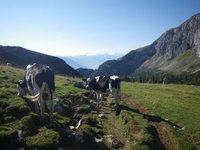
(177, 50)
(178, 40)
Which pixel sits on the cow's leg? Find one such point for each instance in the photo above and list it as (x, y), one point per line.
(116, 97)
(98, 97)
(51, 94)
(37, 109)
(101, 98)
(42, 106)
(41, 100)
(119, 93)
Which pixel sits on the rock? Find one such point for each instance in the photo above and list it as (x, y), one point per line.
(94, 112)
(79, 84)
(98, 140)
(20, 135)
(72, 127)
(109, 138)
(102, 116)
(117, 143)
(79, 124)
(69, 131)
(166, 119)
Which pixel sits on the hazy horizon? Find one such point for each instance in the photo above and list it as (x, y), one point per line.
(97, 54)
(71, 28)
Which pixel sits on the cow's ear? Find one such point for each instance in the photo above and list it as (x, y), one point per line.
(84, 79)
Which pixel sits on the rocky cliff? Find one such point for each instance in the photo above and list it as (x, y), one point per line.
(177, 50)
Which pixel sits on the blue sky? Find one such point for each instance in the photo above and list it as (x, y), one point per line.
(87, 27)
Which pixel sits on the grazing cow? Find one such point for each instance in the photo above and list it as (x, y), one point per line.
(8, 64)
(39, 83)
(101, 84)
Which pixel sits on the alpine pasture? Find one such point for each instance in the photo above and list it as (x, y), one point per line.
(152, 116)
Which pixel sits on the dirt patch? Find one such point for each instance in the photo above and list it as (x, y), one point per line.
(163, 139)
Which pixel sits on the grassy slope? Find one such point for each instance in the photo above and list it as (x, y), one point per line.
(178, 103)
(19, 114)
(186, 62)
(175, 102)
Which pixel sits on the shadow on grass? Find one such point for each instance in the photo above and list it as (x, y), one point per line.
(148, 117)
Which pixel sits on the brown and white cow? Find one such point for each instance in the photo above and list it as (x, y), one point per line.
(38, 83)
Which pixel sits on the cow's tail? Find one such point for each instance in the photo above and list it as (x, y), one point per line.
(33, 98)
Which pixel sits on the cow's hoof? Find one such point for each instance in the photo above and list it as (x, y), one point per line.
(118, 110)
(52, 119)
(117, 107)
(42, 118)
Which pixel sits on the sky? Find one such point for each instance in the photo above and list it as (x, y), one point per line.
(88, 27)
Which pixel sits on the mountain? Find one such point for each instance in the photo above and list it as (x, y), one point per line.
(126, 64)
(21, 57)
(90, 61)
(71, 62)
(176, 51)
(85, 72)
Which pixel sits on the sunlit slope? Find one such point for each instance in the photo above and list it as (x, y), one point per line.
(143, 107)
(177, 103)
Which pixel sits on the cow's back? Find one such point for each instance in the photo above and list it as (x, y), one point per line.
(115, 82)
(38, 73)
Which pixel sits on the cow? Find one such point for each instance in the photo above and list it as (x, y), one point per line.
(9, 64)
(102, 84)
(39, 84)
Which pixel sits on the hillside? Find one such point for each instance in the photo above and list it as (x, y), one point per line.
(127, 64)
(156, 117)
(21, 57)
(85, 72)
(177, 48)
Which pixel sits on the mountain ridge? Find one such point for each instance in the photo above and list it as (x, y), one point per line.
(21, 57)
(154, 57)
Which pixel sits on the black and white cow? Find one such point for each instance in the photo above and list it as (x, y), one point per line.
(38, 83)
(102, 84)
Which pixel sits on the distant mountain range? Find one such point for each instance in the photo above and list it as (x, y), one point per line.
(21, 57)
(88, 61)
(176, 51)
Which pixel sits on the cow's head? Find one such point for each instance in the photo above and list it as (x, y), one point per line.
(90, 83)
(22, 88)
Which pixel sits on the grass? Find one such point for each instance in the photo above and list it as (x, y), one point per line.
(188, 62)
(19, 114)
(178, 103)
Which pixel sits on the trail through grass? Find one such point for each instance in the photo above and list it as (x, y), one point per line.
(178, 103)
(147, 113)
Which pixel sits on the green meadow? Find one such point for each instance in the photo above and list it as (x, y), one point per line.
(177, 103)
(152, 116)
